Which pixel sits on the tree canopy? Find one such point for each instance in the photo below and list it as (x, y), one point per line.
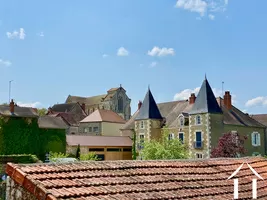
(229, 145)
(164, 148)
(42, 111)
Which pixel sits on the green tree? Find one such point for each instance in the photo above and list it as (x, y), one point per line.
(54, 155)
(88, 156)
(134, 145)
(78, 152)
(42, 111)
(164, 148)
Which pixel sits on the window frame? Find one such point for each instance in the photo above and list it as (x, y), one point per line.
(256, 139)
(97, 128)
(172, 136)
(181, 133)
(142, 124)
(199, 155)
(198, 120)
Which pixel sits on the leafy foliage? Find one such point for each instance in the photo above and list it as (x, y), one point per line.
(19, 136)
(42, 111)
(229, 145)
(88, 156)
(54, 155)
(18, 158)
(23, 136)
(164, 148)
(134, 145)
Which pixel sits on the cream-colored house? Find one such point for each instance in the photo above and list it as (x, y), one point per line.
(102, 122)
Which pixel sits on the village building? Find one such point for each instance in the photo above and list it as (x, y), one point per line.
(166, 179)
(99, 132)
(198, 122)
(115, 100)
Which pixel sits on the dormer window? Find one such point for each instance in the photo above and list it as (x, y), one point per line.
(198, 120)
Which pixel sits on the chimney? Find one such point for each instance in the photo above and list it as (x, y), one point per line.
(12, 106)
(192, 98)
(227, 100)
(139, 105)
(83, 106)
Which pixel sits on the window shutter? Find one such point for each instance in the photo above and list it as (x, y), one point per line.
(259, 139)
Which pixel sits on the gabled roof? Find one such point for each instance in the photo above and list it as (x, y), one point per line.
(63, 107)
(149, 108)
(100, 141)
(261, 118)
(94, 100)
(201, 179)
(205, 101)
(18, 111)
(51, 122)
(104, 116)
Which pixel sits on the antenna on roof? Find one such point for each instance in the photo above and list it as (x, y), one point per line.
(222, 87)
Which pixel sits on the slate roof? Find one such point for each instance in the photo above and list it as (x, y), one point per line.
(100, 115)
(18, 111)
(94, 100)
(51, 122)
(149, 108)
(262, 118)
(205, 101)
(63, 107)
(202, 179)
(99, 141)
(171, 111)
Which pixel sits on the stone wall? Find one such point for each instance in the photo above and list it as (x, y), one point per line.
(16, 192)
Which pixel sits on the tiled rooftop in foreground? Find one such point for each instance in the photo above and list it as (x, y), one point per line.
(172, 179)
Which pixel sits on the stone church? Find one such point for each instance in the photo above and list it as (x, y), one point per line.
(115, 99)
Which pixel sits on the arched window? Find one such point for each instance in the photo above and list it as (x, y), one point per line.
(120, 104)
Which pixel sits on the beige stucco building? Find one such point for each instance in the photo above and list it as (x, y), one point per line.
(199, 122)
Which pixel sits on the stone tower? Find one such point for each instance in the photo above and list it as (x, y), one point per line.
(205, 115)
(148, 121)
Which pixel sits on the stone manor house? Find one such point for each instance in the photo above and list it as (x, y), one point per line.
(198, 122)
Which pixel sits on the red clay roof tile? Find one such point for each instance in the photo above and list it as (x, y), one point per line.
(174, 179)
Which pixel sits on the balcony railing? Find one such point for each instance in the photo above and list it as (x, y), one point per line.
(198, 144)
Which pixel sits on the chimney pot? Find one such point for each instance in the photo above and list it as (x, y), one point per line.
(12, 106)
(192, 98)
(139, 105)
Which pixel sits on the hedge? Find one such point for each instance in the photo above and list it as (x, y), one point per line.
(23, 136)
(22, 158)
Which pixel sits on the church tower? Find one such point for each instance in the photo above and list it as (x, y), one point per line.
(205, 115)
(148, 121)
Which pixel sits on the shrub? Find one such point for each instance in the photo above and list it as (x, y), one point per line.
(88, 156)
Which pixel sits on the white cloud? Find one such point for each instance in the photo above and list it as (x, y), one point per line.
(5, 62)
(17, 34)
(212, 17)
(202, 6)
(153, 64)
(105, 55)
(122, 52)
(198, 6)
(258, 101)
(41, 34)
(156, 51)
(185, 94)
(32, 105)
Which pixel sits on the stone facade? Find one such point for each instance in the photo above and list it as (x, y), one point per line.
(16, 192)
(116, 100)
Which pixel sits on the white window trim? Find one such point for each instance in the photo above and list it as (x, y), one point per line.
(201, 155)
(258, 142)
(172, 136)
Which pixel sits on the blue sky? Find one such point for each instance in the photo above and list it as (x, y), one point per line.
(55, 48)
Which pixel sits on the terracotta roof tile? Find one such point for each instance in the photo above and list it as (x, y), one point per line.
(170, 179)
(104, 116)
